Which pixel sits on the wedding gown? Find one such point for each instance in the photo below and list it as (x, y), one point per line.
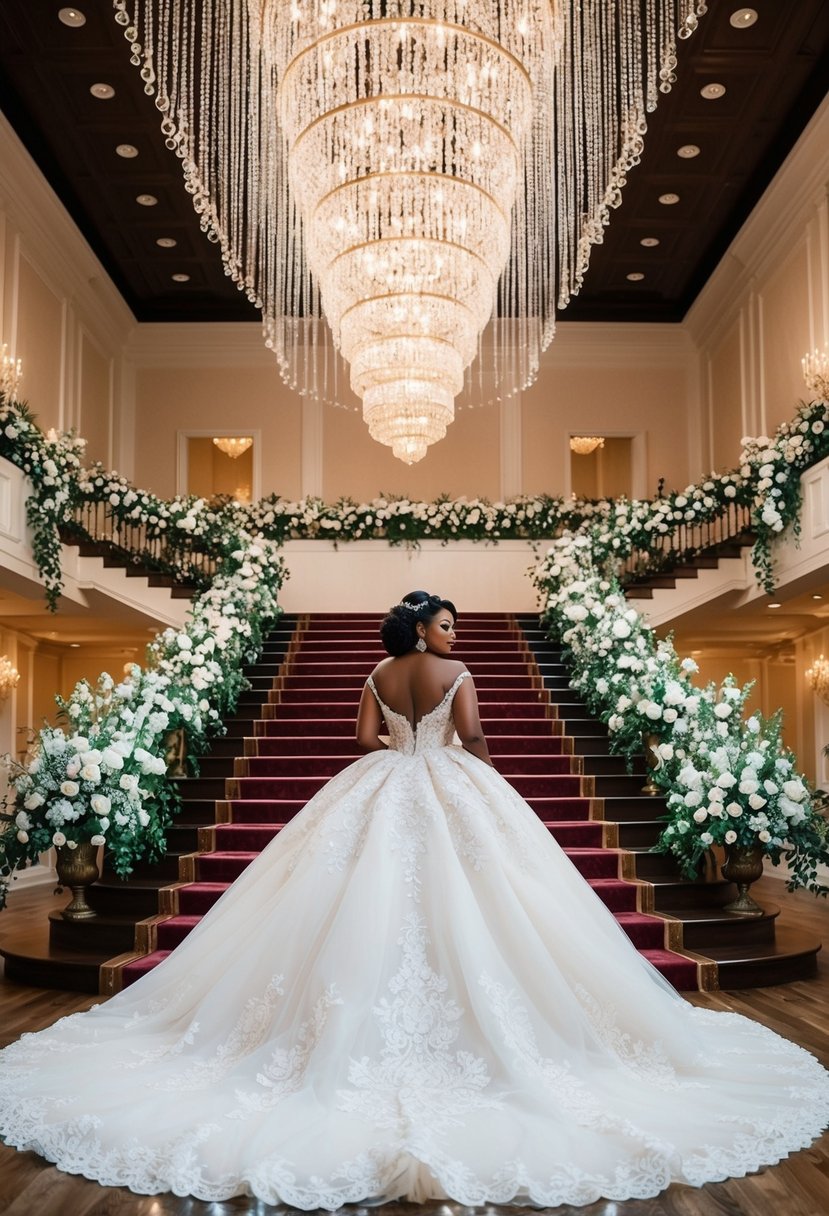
(411, 993)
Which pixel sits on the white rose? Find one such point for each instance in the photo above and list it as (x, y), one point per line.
(23, 821)
(69, 788)
(58, 839)
(621, 629)
(734, 809)
(706, 838)
(764, 836)
(756, 802)
(700, 816)
(91, 772)
(100, 804)
(730, 837)
(795, 790)
(722, 710)
(112, 759)
(23, 837)
(33, 802)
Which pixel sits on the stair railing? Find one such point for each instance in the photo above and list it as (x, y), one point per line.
(686, 540)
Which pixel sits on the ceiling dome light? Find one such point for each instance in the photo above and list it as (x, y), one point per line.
(233, 447)
(102, 91)
(181, 278)
(167, 242)
(635, 276)
(688, 151)
(583, 445)
(713, 91)
(650, 242)
(774, 604)
(128, 151)
(668, 200)
(146, 200)
(72, 17)
(742, 18)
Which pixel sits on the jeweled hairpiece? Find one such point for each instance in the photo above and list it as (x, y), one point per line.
(412, 607)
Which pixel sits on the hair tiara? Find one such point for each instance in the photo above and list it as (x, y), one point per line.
(412, 607)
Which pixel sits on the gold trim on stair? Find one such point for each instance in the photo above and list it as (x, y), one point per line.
(587, 787)
(207, 839)
(240, 766)
(223, 812)
(232, 789)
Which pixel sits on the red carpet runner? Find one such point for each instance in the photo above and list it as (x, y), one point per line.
(310, 736)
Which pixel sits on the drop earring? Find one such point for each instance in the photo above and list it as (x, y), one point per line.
(420, 645)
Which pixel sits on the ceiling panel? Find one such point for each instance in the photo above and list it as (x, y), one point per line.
(775, 74)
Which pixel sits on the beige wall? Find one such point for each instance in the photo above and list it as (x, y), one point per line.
(171, 400)
(466, 462)
(94, 421)
(766, 305)
(599, 396)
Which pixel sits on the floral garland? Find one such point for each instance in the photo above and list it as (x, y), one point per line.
(104, 779)
(727, 781)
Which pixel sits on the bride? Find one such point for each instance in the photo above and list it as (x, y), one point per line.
(410, 994)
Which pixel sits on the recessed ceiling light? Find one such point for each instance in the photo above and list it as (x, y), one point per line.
(635, 276)
(712, 91)
(72, 17)
(146, 200)
(742, 18)
(817, 597)
(181, 278)
(774, 604)
(668, 200)
(650, 242)
(128, 151)
(688, 151)
(74, 645)
(102, 91)
(167, 242)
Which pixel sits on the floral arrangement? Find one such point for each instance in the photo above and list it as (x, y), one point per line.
(104, 778)
(727, 781)
(52, 463)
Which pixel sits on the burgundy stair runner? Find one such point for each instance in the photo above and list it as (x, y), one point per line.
(311, 736)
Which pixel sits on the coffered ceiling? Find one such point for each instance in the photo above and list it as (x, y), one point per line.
(772, 74)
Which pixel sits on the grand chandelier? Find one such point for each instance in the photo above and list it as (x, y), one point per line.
(233, 446)
(425, 175)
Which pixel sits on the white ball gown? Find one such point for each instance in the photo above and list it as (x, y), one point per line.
(411, 993)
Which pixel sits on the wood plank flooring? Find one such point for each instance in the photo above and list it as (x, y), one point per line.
(796, 1187)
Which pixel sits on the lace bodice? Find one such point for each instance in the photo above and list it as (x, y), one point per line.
(434, 729)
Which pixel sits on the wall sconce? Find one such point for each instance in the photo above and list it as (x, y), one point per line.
(816, 374)
(818, 677)
(11, 373)
(9, 678)
(583, 445)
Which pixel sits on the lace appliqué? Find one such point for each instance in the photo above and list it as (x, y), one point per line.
(646, 1060)
(285, 1071)
(418, 1080)
(248, 1033)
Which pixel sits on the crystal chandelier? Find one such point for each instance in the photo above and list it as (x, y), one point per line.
(234, 448)
(583, 445)
(818, 677)
(425, 175)
(816, 374)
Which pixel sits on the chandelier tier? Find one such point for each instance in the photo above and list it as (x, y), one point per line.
(425, 175)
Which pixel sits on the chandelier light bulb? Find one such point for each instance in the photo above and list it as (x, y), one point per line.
(816, 373)
(234, 448)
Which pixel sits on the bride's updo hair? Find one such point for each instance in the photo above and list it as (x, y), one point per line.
(398, 631)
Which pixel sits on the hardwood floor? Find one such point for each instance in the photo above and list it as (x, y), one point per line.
(798, 1186)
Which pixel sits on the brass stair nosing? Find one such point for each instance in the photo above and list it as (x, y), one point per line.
(207, 839)
(110, 973)
(224, 811)
(597, 809)
(240, 766)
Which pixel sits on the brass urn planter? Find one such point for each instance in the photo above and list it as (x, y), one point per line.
(652, 762)
(743, 865)
(77, 869)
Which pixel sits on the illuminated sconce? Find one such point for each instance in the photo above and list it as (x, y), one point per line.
(818, 677)
(9, 678)
(11, 373)
(816, 374)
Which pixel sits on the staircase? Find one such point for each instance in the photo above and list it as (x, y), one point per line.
(745, 952)
(295, 728)
(305, 734)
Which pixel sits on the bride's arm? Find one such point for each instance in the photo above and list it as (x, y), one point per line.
(369, 721)
(468, 721)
